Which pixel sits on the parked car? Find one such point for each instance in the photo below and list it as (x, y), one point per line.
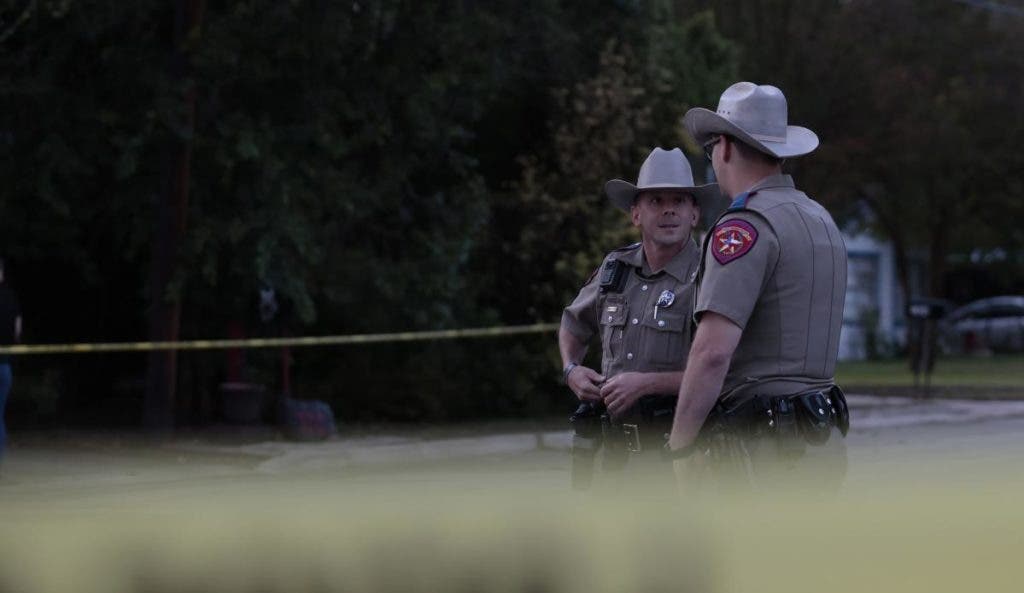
(995, 323)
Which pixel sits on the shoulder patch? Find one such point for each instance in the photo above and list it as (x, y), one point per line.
(732, 239)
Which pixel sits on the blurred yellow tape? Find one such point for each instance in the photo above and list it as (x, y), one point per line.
(444, 334)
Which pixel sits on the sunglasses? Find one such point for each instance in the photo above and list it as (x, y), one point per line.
(709, 146)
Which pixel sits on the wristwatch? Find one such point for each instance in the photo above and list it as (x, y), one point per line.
(568, 369)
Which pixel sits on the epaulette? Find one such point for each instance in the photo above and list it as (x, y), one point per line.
(627, 247)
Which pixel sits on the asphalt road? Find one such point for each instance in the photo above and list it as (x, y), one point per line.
(892, 438)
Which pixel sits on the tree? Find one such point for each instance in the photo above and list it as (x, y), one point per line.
(557, 224)
(914, 104)
(937, 84)
(362, 158)
(170, 220)
(327, 158)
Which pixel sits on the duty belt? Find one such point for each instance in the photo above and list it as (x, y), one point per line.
(809, 414)
(645, 428)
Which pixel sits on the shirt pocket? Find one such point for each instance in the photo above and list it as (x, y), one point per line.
(667, 339)
(613, 319)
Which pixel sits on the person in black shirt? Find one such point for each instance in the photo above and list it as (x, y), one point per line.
(10, 333)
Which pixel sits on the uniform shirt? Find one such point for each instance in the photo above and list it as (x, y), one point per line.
(633, 336)
(775, 265)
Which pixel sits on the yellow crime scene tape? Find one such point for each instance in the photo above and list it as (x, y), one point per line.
(444, 334)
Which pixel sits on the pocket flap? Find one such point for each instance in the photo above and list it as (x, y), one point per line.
(669, 321)
(613, 312)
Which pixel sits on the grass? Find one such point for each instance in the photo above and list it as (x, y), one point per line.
(1000, 376)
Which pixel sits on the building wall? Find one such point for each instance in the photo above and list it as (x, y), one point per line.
(873, 314)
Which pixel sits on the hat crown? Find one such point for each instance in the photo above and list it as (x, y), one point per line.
(665, 168)
(760, 110)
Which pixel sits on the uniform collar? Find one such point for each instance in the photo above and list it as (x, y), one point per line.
(634, 256)
(684, 265)
(772, 182)
(681, 266)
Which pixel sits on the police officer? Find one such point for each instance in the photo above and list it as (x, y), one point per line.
(769, 307)
(639, 301)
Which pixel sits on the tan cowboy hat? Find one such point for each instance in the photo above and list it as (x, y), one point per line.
(755, 115)
(663, 169)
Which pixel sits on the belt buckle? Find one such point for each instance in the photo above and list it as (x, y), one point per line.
(632, 433)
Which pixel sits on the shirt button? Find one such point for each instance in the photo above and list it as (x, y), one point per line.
(635, 321)
(644, 287)
(629, 356)
(661, 323)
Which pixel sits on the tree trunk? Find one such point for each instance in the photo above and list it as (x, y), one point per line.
(892, 229)
(165, 311)
(937, 251)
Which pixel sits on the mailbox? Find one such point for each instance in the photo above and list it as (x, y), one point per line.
(921, 308)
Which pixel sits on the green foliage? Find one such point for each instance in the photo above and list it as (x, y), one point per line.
(331, 138)
(558, 223)
(384, 165)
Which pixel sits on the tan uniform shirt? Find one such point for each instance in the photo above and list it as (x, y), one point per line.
(635, 337)
(776, 267)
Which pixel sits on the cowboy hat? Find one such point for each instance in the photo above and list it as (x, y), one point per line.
(663, 169)
(756, 115)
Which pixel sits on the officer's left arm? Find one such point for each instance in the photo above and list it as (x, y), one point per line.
(621, 391)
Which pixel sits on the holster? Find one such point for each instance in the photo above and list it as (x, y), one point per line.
(615, 452)
(586, 440)
(794, 421)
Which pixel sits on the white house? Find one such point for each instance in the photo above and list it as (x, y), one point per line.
(874, 317)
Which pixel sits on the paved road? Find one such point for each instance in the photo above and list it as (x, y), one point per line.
(891, 437)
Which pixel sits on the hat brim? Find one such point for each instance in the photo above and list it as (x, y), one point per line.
(704, 123)
(623, 193)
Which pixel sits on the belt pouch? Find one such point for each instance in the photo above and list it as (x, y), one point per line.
(842, 413)
(814, 415)
(787, 432)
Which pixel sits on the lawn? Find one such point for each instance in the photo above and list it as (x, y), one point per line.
(989, 376)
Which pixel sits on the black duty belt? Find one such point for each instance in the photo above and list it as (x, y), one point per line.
(645, 427)
(810, 414)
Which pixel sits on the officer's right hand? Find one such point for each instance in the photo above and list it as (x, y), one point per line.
(585, 382)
